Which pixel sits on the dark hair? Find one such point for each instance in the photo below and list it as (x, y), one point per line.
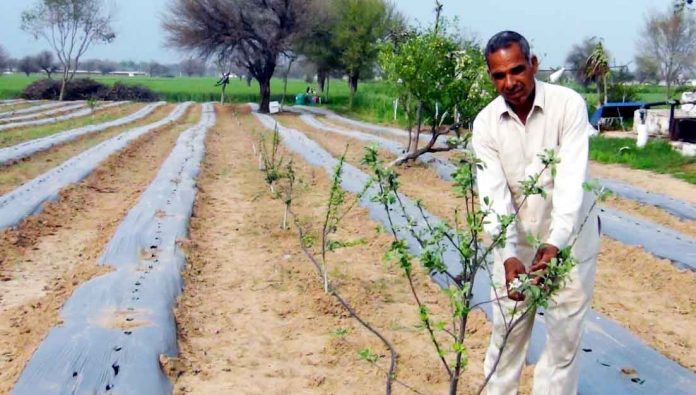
(505, 39)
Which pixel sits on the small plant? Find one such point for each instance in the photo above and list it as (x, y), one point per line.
(92, 104)
(465, 238)
(340, 332)
(368, 355)
(337, 208)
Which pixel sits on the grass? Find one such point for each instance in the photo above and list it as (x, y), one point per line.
(16, 136)
(658, 156)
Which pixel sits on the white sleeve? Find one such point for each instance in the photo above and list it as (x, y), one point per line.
(492, 183)
(571, 173)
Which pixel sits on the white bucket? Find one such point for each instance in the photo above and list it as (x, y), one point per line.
(642, 136)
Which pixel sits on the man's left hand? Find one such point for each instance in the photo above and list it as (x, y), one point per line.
(541, 260)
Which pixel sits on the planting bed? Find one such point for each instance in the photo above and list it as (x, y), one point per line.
(100, 263)
(26, 108)
(650, 314)
(47, 111)
(48, 120)
(22, 150)
(48, 255)
(612, 345)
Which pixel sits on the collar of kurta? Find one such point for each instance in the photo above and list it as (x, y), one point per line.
(503, 108)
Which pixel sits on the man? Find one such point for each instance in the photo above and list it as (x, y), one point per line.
(528, 117)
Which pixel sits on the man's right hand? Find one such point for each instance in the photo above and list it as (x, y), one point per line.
(513, 268)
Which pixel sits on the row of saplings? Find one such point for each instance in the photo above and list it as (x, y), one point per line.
(87, 89)
(464, 238)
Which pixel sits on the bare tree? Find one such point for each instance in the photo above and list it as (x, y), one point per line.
(27, 65)
(4, 59)
(192, 67)
(44, 61)
(669, 41)
(252, 32)
(70, 27)
(156, 69)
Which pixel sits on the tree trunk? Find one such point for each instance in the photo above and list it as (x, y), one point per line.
(63, 84)
(285, 81)
(321, 80)
(604, 80)
(419, 122)
(328, 86)
(353, 85)
(265, 91)
(248, 80)
(222, 95)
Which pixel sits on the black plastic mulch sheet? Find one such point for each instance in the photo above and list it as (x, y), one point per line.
(117, 325)
(27, 148)
(28, 199)
(60, 118)
(607, 348)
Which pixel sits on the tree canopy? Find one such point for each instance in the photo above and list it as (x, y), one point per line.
(253, 33)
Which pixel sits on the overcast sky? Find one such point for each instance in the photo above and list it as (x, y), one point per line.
(552, 26)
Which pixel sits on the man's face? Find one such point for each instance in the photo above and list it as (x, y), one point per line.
(512, 74)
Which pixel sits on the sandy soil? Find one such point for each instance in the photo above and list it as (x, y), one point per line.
(14, 175)
(253, 318)
(50, 254)
(620, 267)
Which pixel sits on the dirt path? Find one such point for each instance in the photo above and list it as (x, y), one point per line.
(50, 254)
(643, 293)
(14, 175)
(253, 318)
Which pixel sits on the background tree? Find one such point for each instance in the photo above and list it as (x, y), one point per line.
(597, 69)
(4, 59)
(106, 66)
(646, 70)
(192, 67)
(27, 65)
(317, 42)
(359, 26)
(668, 41)
(577, 58)
(44, 60)
(70, 27)
(155, 69)
(252, 32)
(439, 79)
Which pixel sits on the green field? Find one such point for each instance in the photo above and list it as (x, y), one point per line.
(372, 102)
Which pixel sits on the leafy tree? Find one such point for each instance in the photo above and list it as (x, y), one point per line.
(44, 60)
(359, 25)
(317, 43)
(597, 68)
(27, 65)
(438, 79)
(668, 44)
(254, 33)
(70, 27)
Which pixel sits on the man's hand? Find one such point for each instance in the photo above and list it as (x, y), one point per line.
(513, 268)
(543, 256)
